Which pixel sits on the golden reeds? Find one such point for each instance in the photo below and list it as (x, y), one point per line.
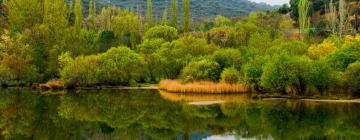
(201, 87)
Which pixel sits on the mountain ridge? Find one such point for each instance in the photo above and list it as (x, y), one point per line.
(199, 8)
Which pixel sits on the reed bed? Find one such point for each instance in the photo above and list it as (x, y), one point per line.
(202, 87)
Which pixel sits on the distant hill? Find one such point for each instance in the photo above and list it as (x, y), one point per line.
(199, 8)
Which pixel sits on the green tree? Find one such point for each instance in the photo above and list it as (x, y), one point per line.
(344, 56)
(320, 75)
(174, 13)
(230, 75)
(228, 58)
(253, 71)
(186, 15)
(83, 71)
(164, 17)
(120, 65)
(17, 57)
(304, 17)
(352, 76)
(149, 15)
(154, 62)
(198, 70)
(92, 8)
(78, 15)
(283, 71)
(22, 14)
(165, 32)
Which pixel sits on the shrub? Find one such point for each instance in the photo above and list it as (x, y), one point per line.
(162, 31)
(352, 76)
(230, 76)
(4, 75)
(222, 36)
(290, 47)
(253, 71)
(83, 71)
(228, 58)
(261, 41)
(320, 75)
(120, 65)
(177, 54)
(284, 71)
(321, 50)
(205, 69)
(154, 62)
(344, 56)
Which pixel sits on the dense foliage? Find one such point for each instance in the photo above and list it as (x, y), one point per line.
(43, 40)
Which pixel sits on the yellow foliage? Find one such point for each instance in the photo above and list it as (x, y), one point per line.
(201, 87)
(349, 39)
(321, 50)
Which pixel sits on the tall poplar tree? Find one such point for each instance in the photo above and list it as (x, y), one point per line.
(304, 18)
(164, 17)
(78, 15)
(91, 8)
(174, 13)
(186, 15)
(149, 16)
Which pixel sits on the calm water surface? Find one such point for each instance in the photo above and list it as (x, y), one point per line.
(153, 115)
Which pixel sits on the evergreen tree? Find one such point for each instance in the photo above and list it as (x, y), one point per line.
(164, 17)
(78, 15)
(149, 16)
(91, 8)
(174, 13)
(186, 15)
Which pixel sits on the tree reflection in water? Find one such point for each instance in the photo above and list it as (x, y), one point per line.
(146, 114)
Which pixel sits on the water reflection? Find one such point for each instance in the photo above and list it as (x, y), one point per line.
(146, 114)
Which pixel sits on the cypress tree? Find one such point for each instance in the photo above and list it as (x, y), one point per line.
(78, 15)
(164, 17)
(149, 16)
(174, 13)
(91, 8)
(186, 15)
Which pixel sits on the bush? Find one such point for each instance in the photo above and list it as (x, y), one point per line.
(352, 76)
(321, 50)
(228, 58)
(261, 41)
(177, 54)
(222, 36)
(253, 71)
(320, 75)
(120, 65)
(230, 76)
(284, 71)
(344, 56)
(4, 75)
(204, 69)
(83, 71)
(162, 31)
(290, 47)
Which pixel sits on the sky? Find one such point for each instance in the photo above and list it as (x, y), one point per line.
(273, 2)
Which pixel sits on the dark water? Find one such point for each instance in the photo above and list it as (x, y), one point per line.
(148, 115)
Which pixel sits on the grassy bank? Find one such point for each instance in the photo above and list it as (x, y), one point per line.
(201, 87)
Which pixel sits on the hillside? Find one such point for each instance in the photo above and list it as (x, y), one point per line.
(199, 8)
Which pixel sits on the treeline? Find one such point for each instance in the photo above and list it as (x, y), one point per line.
(45, 40)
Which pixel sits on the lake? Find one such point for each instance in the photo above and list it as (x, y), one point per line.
(152, 115)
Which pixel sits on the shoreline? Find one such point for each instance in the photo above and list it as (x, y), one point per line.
(264, 97)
